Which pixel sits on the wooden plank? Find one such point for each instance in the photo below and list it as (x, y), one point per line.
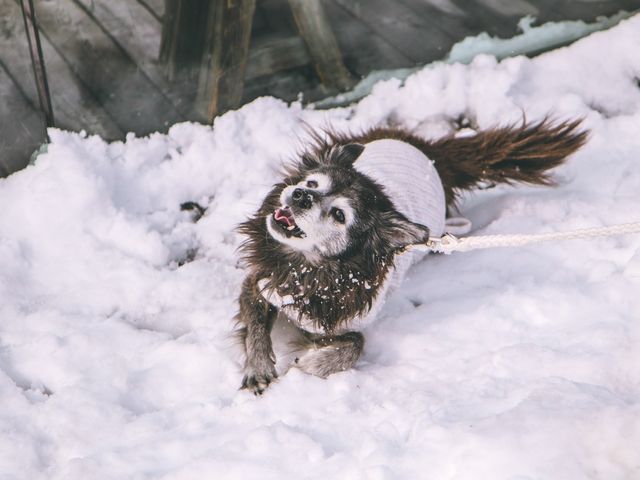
(315, 29)
(464, 18)
(289, 85)
(511, 8)
(181, 49)
(418, 38)
(74, 106)
(278, 16)
(25, 131)
(449, 18)
(496, 17)
(136, 31)
(225, 56)
(442, 6)
(271, 55)
(480, 16)
(154, 7)
(123, 90)
(168, 38)
(362, 48)
(586, 10)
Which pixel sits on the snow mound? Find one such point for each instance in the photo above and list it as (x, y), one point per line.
(115, 355)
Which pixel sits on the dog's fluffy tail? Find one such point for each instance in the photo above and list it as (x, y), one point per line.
(512, 154)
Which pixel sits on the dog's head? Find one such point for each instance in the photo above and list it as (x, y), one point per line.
(326, 208)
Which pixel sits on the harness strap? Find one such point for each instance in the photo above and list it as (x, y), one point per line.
(449, 243)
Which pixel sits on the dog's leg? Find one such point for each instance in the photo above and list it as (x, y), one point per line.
(257, 316)
(330, 354)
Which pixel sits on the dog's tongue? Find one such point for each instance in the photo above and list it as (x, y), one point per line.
(284, 215)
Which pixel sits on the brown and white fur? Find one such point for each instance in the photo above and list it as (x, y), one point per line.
(321, 246)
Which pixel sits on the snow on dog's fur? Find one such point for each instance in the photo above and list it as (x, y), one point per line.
(321, 248)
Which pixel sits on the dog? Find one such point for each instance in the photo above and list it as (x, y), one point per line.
(323, 248)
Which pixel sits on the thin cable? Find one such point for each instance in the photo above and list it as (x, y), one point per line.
(37, 60)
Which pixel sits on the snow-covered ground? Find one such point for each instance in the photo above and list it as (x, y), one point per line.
(116, 363)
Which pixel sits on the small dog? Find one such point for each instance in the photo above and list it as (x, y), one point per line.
(323, 247)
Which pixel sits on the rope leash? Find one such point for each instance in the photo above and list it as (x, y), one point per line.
(449, 243)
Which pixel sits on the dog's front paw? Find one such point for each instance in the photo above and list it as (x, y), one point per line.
(257, 381)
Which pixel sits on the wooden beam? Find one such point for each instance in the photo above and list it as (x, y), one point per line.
(315, 29)
(154, 7)
(362, 48)
(274, 55)
(225, 56)
(183, 34)
(417, 36)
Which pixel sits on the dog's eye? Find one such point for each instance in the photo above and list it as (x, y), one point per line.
(312, 184)
(337, 214)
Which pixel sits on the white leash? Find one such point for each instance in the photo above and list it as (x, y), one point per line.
(450, 243)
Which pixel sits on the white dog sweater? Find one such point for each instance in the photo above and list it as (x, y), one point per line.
(413, 185)
(408, 178)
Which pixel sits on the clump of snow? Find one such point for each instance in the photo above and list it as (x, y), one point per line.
(115, 355)
(531, 40)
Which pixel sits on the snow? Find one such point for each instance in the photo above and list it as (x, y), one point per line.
(116, 360)
(531, 40)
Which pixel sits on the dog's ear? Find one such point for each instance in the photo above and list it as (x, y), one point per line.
(347, 154)
(400, 232)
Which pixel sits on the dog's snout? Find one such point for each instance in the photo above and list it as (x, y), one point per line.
(302, 198)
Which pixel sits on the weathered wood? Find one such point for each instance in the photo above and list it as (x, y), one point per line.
(269, 56)
(123, 89)
(511, 8)
(316, 31)
(138, 33)
(22, 128)
(182, 38)
(586, 10)
(155, 8)
(362, 49)
(454, 21)
(83, 76)
(417, 37)
(168, 39)
(279, 16)
(483, 16)
(74, 104)
(295, 84)
(225, 56)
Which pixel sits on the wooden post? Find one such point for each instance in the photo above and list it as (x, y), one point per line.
(168, 40)
(316, 31)
(224, 60)
(183, 31)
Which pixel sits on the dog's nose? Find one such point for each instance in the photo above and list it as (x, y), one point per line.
(302, 198)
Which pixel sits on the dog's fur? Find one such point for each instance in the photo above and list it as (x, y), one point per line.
(329, 283)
